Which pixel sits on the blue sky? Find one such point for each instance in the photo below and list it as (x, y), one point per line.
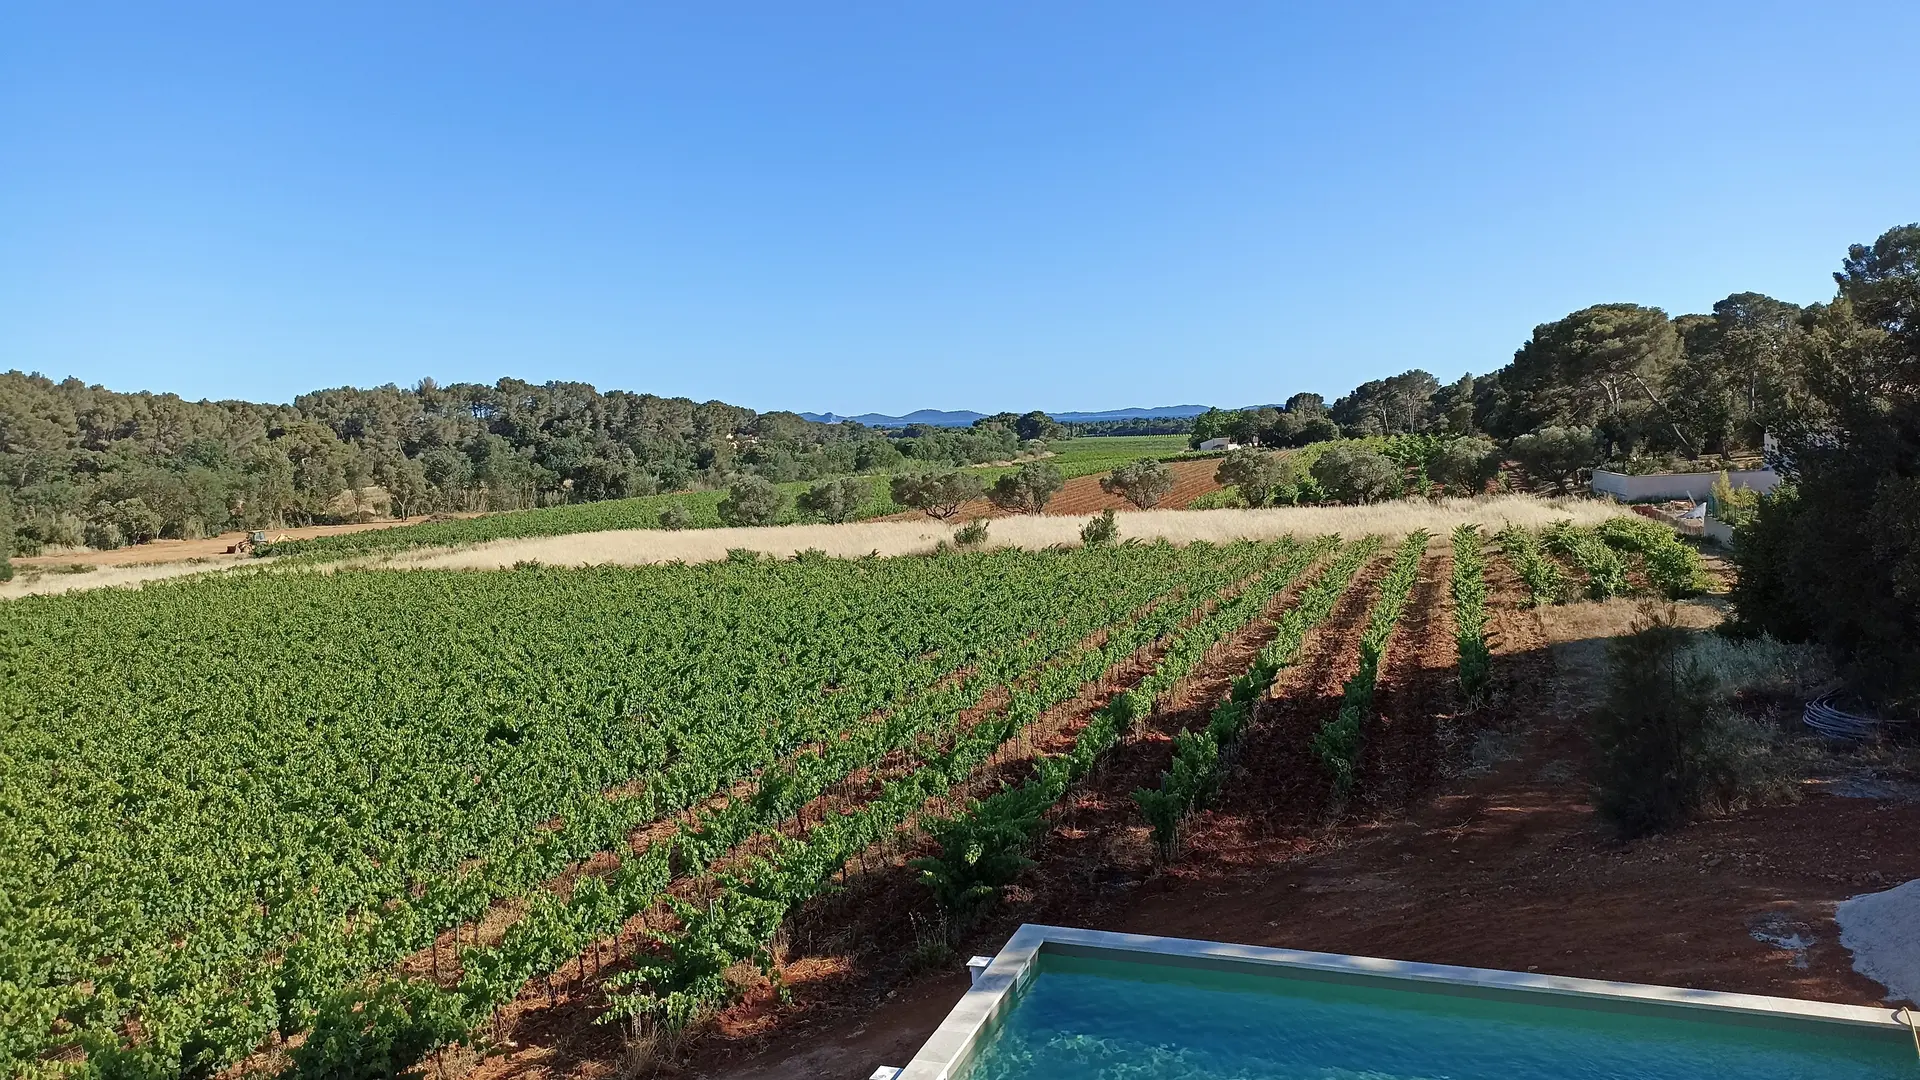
(894, 206)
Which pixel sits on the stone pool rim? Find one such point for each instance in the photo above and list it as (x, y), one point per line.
(951, 1047)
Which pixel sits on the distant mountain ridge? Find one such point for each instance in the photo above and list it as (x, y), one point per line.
(965, 417)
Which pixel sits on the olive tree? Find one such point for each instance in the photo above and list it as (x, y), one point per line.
(834, 500)
(1557, 454)
(1028, 489)
(1466, 464)
(752, 501)
(1354, 474)
(937, 495)
(1258, 474)
(1143, 483)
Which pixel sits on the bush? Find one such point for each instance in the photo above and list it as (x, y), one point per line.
(938, 495)
(836, 500)
(675, 516)
(1669, 746)
(1143, 483)
(1735, 506)
(1465, 465)
(1652, 731)
(752, 501)
(6, 539)
(972, 534)
(1028, 489)
(103, 536)
(1762, 595)
(1223, 499)
(982, 851)
(1100, 530)
(1353, 474)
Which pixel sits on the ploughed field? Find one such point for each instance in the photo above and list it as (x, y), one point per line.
(300, 813)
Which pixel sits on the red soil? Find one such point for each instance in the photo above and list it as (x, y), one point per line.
(1082, 495)
(1504, 867)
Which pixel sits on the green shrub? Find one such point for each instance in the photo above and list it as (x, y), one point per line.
(1651, 733)
(1466, 464)
(1143, 483)
(972, 534)
(1735, 506)
(1028, 489)
(1353, 474)
(1763, 596)
(982, 850)
(104, 536)
(1224, 499)
(1100, 530)
(835, 500)
(1257, 475)
(675, 516)
(752, 501)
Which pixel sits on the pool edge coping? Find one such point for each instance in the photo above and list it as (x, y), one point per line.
(952, 1043)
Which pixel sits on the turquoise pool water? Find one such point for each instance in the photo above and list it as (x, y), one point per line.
(1082, 1019)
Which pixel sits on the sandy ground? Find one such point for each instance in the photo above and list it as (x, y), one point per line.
(158, 560)
(1883, 931)
(26, 584)
(638, 546)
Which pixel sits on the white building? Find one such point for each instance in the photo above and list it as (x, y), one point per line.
(1219, 444)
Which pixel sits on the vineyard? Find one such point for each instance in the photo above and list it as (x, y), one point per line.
(356, 816)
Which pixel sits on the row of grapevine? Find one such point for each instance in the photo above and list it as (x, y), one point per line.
(1546, 582)
(228, 797)
(1470, 611)
(1604, 567)
(1673, 567)
(1201, 757)
(793, 781)
(668, 989)
(1338, 742)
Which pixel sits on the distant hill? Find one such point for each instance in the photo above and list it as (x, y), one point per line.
(965, 418)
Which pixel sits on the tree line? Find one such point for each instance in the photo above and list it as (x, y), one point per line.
(83, 465)
(1631, 380)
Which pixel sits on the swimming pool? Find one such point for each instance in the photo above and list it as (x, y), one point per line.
(1066, 1004)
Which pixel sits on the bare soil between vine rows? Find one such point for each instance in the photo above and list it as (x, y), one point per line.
(1497, 861)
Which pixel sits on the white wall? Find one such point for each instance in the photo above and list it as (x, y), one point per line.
(1678, 485)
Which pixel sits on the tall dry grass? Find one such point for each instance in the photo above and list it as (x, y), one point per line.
(48, 583)
(639, 546)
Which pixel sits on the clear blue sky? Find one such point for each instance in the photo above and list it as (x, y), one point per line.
(897, 206)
